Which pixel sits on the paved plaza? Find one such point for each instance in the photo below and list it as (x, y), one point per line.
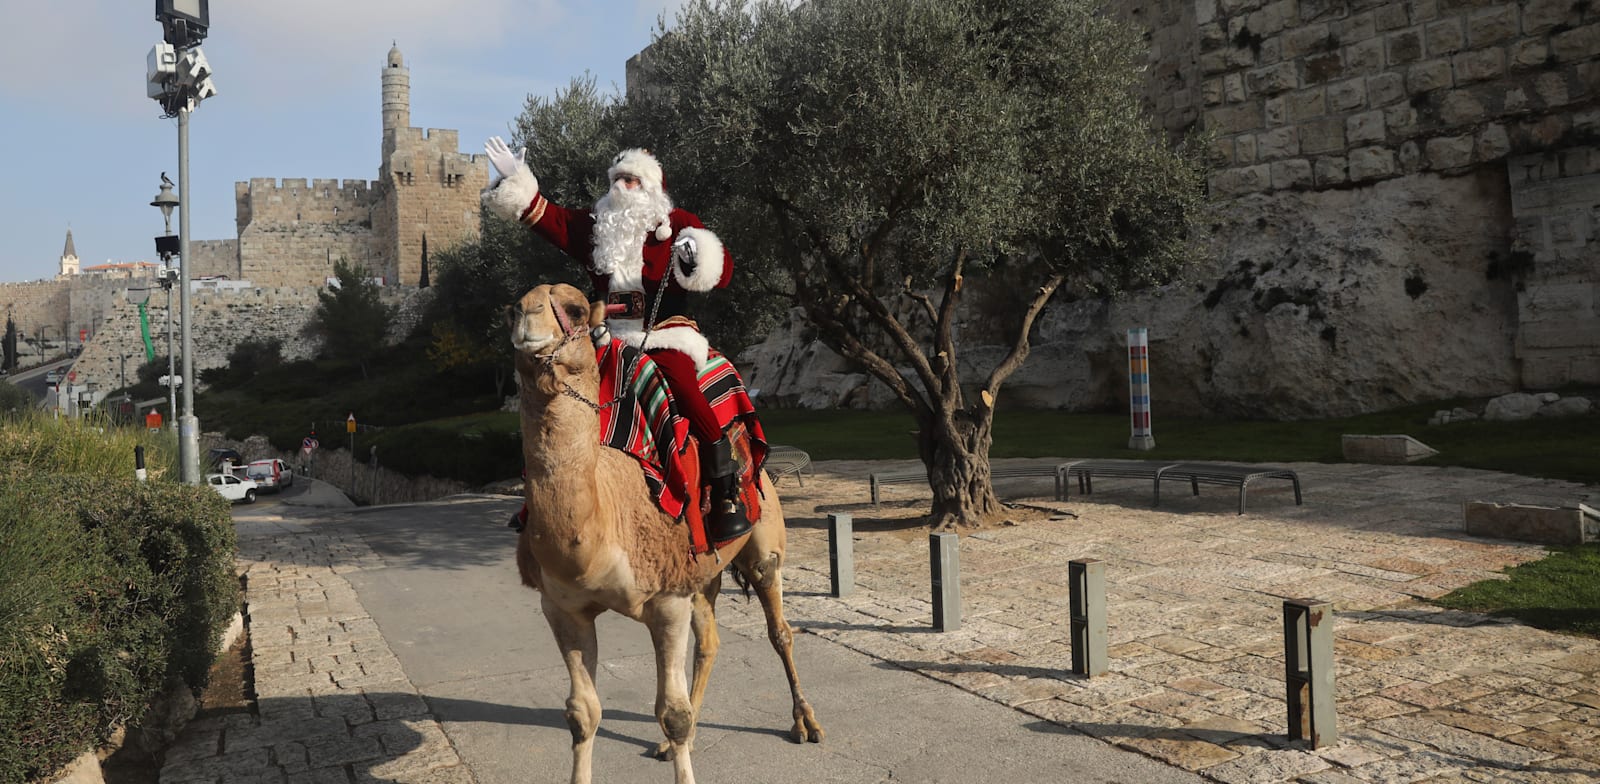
(368, 669)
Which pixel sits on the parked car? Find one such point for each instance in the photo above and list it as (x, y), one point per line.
(233, 488)
(271, 474)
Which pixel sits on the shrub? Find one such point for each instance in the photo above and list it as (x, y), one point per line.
(109, 590)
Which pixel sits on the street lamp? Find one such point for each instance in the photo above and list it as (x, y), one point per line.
(166, 248)
(179, 78)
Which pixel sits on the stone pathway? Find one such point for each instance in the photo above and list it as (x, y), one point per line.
(1194, 596)
(334, 705)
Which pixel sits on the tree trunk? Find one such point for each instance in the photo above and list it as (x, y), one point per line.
(956, 453)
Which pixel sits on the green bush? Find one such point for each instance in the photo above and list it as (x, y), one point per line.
(109, 590)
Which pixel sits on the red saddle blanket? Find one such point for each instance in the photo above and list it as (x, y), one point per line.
(642, 422)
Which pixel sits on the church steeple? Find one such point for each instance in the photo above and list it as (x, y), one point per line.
(69, 257)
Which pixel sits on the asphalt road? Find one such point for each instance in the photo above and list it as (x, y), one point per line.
(472, 640)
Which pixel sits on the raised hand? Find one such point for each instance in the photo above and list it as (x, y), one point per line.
(501, 159)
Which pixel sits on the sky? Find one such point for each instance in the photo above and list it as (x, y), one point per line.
(298, 95)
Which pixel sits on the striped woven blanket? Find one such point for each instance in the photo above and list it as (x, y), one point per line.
(644, 424)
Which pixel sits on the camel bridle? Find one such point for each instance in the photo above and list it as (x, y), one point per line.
(570, 332)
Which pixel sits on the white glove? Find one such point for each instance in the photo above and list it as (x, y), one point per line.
(683, 252)
(502, 161)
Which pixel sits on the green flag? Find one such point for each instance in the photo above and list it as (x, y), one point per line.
(144, 330)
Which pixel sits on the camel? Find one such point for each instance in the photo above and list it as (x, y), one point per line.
(595, 540)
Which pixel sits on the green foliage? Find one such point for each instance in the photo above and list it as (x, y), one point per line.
(476, 455)
(1560, 592)
(110, 589)
(248, 358)
(14, 400)
(351, 320)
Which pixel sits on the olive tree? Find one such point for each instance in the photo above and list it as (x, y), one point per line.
(882, 153)
(351, 318)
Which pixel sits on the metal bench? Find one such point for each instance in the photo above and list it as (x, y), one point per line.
(1052, 470)
(785, 460)
(1196, 474)
(1225, 474)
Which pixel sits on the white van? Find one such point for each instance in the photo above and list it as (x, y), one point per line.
(271, 474)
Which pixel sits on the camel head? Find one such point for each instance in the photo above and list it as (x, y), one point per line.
(551, 318)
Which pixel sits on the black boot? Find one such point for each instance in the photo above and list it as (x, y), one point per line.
(727, 519)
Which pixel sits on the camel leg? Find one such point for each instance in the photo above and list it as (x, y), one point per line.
(706, 643)
(669, 620)
(766, 576)
(575, 637)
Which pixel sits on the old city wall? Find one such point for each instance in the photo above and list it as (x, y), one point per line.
(214, 257)
(291, 233)
(1408, 198)
(430, 189)
(222, 319)
(38, 308)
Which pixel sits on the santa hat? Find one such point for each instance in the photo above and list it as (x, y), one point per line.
(638, 162)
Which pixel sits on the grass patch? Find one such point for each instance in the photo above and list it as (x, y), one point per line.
(1559, 593)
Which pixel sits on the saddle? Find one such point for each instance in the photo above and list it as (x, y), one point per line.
(643, 423)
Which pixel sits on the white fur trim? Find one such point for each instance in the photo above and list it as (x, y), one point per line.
(708, 261)
(664, 230)
(639, 163)
(685, 339)
(513, 194)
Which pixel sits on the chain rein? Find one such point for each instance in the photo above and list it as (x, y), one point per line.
(627, 370)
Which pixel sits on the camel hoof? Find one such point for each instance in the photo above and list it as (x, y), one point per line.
(663, 750)
(806, 729)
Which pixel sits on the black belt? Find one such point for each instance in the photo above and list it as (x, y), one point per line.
(633, 302)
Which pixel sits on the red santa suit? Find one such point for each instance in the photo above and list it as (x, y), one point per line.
(631, 271)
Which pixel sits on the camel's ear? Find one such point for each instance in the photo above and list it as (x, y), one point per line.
(597, 314)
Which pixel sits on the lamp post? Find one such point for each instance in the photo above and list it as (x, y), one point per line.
(166, 248)
(179, 78)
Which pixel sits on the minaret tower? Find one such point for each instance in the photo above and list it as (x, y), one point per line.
(396, 98)
(69, 257)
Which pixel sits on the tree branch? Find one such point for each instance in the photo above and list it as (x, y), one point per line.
(944, 340)
(1019, 349)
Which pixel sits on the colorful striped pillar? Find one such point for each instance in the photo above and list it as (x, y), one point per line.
(1139, 388)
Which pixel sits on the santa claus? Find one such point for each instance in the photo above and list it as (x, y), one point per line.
(644, 255)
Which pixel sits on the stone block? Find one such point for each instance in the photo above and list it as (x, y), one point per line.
(1320, 136)
(1389, 449)
(1205, 11)
(1295, 173)
(1365, 58)
(1330, 171)
(1211, 92)
(1324, 67)
(1275, 79)
(1307, 104)
(1242, 180)
(1233, 88)
(1423, 10)
(1364, 127)
(1245, 149)
(1391, 16)
(1529, 53)
(1479, 65)
(1401, 119)
(1385, 88)
(1514, 101)
(1234, 119)
(1491, 26)
(1541, 15)
(1553, 525)
(1492, 143)
(1371, 163)
(1514, 407)
(1278, 143)
(1274, 111)
(1306, 39)
(1221, 152)
(1410, 157)
(1347, 95)
(1578, 44)
(1460, 107)
(1450, 152)
(1445, 37)
(1356, 28)
(1404, 46)
(1429, 76)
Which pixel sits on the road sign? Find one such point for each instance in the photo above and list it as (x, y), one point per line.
(350, 424)
(309, 444)
(72, 377)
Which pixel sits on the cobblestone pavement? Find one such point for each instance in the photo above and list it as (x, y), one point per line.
(333, 705)
(1194, 596)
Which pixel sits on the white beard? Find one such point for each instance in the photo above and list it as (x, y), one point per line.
(622, 219)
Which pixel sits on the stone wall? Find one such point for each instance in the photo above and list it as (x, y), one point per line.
(291, 234)
(429, 188)
(38, 307)
(1555, 200)
(214, 257)
(1326, 93)
(222, 319)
